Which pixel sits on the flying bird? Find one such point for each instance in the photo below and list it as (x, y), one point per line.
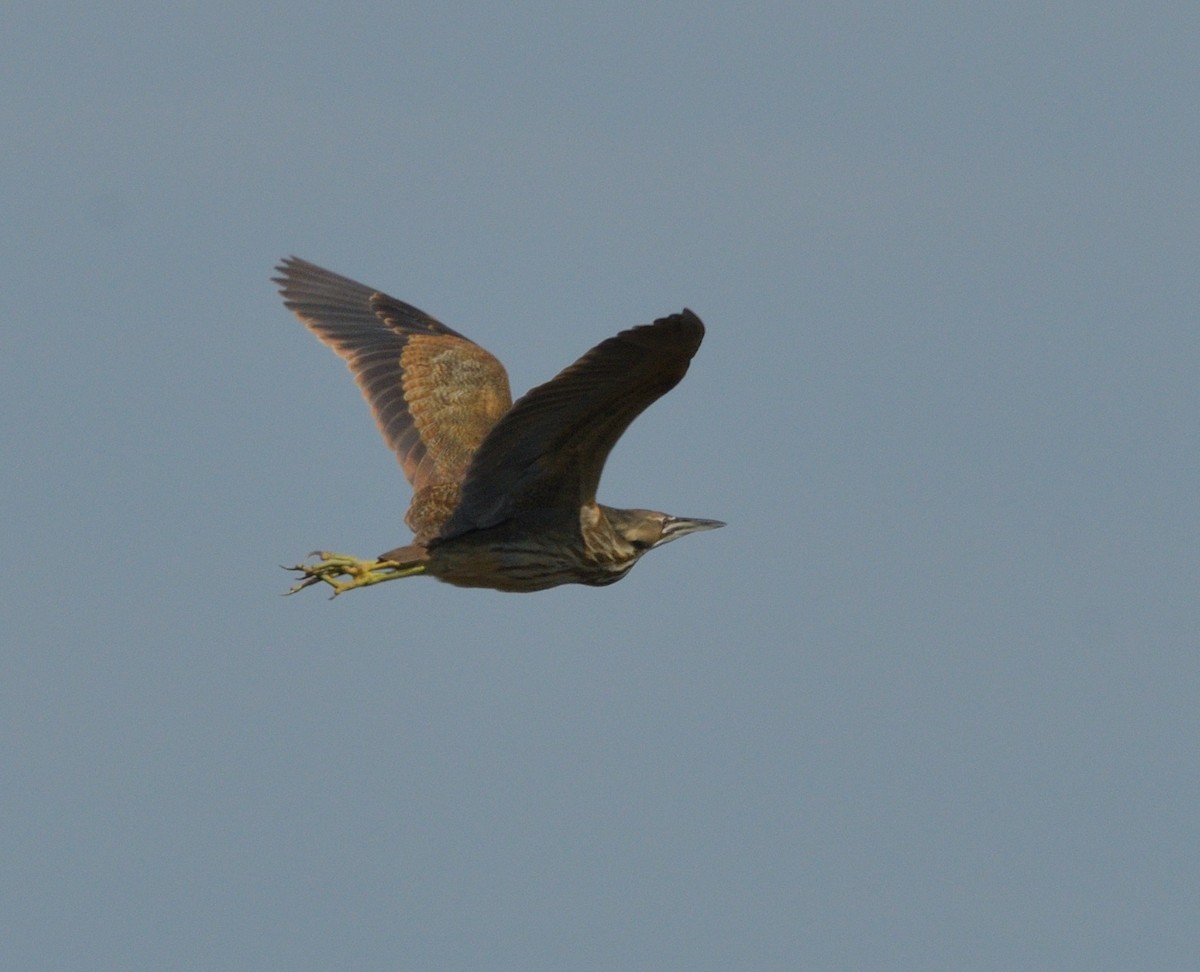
(504, 494)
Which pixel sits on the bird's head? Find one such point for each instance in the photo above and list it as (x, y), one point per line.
(638, 531)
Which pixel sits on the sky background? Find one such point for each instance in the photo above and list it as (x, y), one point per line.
(930, 700)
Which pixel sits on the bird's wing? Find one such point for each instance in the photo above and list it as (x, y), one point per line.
(435, 394)
(544, 458)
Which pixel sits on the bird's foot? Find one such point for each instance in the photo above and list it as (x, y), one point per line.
(344, 573)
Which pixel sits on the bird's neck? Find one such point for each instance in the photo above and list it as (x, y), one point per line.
(602, 543)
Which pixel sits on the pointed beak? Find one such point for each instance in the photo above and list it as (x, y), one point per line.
(681, 526)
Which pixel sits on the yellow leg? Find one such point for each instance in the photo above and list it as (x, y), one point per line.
(360, 573)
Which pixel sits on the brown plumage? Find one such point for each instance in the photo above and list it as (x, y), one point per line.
(504, 495)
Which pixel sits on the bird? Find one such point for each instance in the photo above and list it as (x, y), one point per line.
(504, 493)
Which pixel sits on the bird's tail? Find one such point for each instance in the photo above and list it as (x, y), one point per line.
(408, 557)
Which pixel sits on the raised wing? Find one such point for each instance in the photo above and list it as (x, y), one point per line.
(544, 457)
(435, 394)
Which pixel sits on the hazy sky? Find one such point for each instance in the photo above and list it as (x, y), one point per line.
(930, 701)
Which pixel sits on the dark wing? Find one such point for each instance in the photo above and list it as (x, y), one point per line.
(435, 394)
(546, 455)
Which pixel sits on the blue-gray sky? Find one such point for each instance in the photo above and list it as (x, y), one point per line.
(929, 701)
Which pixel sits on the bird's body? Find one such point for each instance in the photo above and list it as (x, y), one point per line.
(503, 493)
(512, 557)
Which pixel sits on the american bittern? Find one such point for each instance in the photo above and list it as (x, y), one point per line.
(504, 495)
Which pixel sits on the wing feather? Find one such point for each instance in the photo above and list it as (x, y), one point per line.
(545, 456)
(434, 393)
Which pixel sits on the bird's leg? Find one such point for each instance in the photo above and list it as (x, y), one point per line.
(359, 573)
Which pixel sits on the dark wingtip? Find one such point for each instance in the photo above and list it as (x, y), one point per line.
(686, 318)
(686, 325)
(284, 268)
